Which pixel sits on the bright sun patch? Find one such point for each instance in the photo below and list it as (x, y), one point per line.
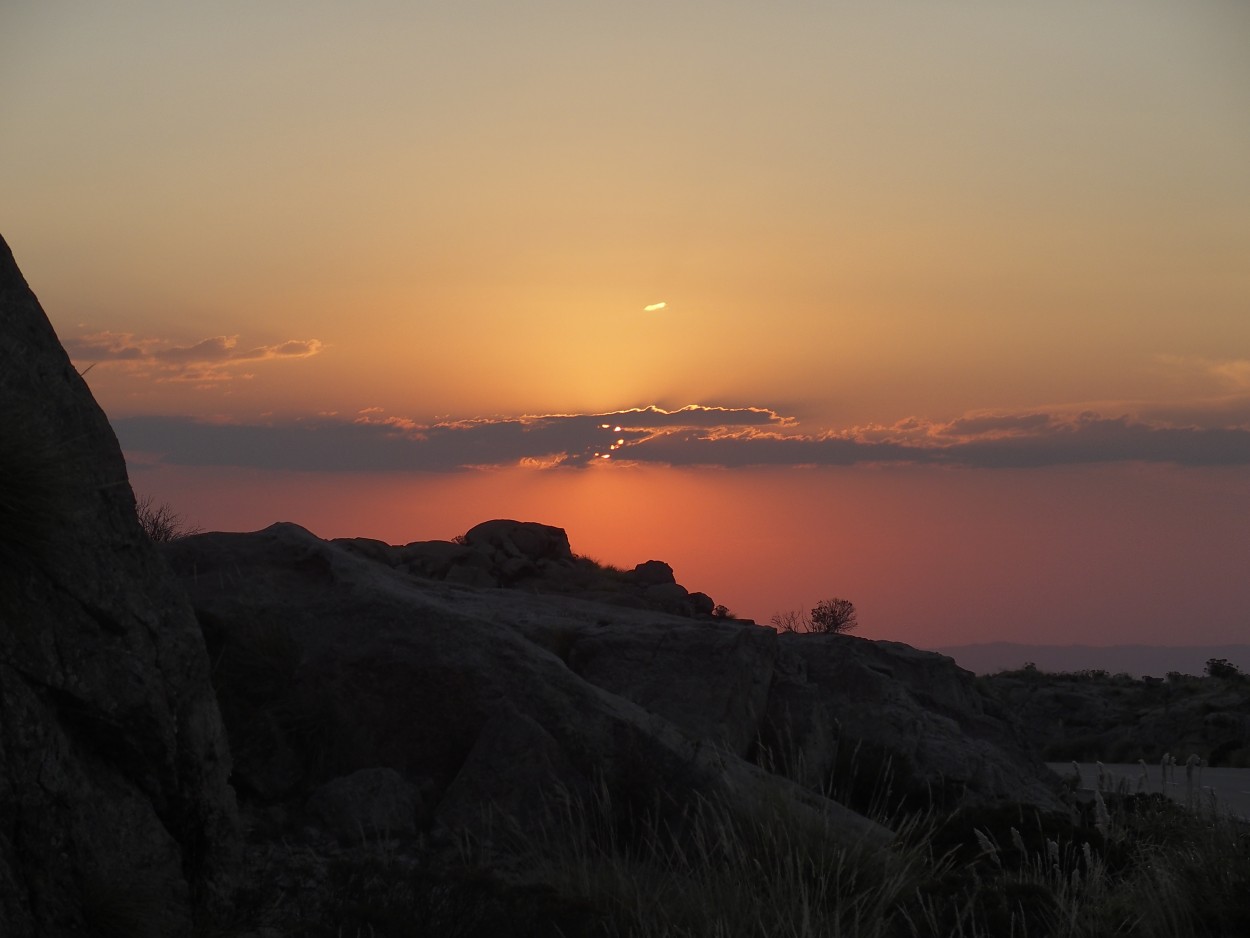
(653, 307)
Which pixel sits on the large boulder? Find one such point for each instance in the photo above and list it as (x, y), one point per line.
(654, 573)
(115, 810)
(520, 540)
(329, 664)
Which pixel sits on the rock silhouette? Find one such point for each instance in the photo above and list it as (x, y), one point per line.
(536, 557)
(113, 761)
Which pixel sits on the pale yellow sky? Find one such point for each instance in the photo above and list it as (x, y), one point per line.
(984, 267)
(854, 212)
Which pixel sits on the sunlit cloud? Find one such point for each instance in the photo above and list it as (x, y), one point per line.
(1218, 374)
(212, 360)
(697, 435)
(654, 307)
(1234, 373)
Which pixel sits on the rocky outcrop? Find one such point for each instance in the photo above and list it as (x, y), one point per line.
(536, 557)
(114, 806)
(329, 664)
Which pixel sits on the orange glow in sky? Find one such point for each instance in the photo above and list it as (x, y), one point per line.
(941, 307)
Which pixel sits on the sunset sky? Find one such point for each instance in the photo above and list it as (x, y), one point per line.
(940, 307)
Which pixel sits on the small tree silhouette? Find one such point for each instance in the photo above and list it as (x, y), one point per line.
(792, 620)
(834, 615)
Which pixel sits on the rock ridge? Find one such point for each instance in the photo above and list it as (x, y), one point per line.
(537, 557)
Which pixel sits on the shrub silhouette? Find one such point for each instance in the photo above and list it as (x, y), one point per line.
(160, 522)
(834, 615)
(830, 616)
(791, 621)
(1224, 669)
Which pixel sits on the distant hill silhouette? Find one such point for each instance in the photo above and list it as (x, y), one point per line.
(1136, 660)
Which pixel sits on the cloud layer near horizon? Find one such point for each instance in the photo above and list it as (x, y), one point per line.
(208, 361)
(726, 437)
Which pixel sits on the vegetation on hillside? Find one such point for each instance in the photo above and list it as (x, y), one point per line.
(160, 522)
(828, 617)
(1094, 715)
(1131, 865)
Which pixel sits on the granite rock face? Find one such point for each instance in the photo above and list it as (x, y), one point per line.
(330, 664)
(332, 661)
(114, 805)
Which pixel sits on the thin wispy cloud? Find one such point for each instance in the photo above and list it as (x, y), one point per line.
(698, 435)
(1235, 373)
(1218, 375)
(215, 359)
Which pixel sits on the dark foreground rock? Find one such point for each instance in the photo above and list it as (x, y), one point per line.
(114, 806)
(477, 695)
(329, 664)
(363, 701)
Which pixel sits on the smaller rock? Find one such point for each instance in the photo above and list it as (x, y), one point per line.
(371, 548)
(654, 572)
(431, 558)
(369, 803)
(666, 594)
(701, 603)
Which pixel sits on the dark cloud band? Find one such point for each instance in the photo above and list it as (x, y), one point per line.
(694, 436)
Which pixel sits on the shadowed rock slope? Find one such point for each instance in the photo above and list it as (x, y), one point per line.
(114, 805)
(330, 664)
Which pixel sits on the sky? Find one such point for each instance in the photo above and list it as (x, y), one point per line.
(940, 308)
